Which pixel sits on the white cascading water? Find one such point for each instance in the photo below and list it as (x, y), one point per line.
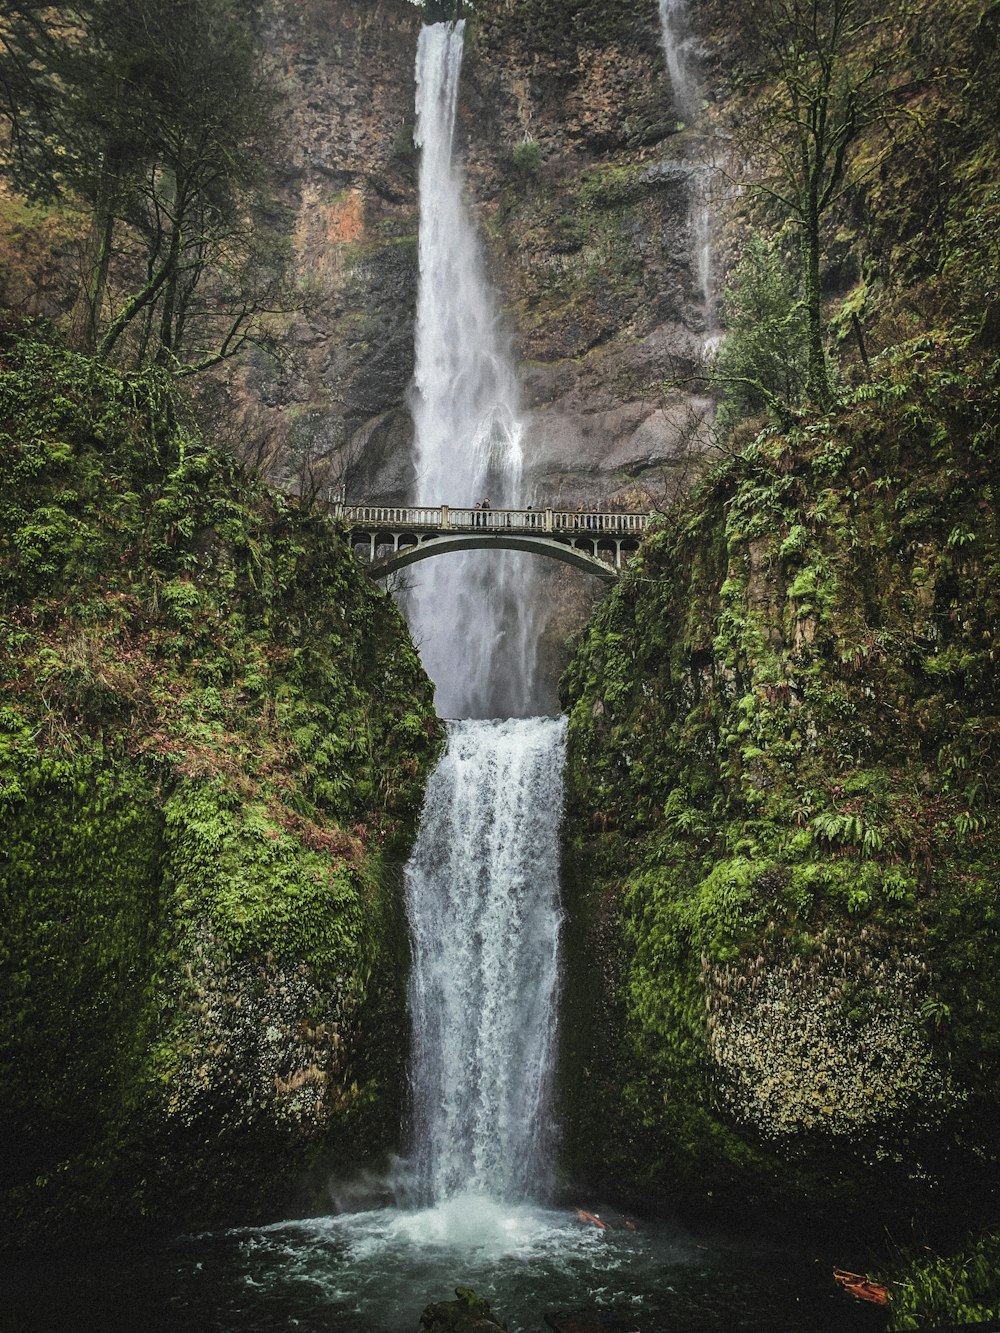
(680, 52)
(482, 883)
(680, 57)
(472, 612)
(482, 892)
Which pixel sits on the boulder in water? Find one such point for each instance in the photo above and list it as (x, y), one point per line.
(469, 1314)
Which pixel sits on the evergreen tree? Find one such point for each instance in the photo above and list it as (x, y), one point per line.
(761, 364)
(160, 115)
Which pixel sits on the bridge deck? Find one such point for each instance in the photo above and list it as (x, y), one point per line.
(390, 537)
(444, 518)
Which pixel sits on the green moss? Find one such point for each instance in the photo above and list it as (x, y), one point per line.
(552, 24)
(82, 925)
(526, 158)
(609, 187)
(783, 724)
(212, 752)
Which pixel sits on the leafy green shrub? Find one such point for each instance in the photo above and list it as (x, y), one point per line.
(962, 1289)
(527, 158)
(761, 361)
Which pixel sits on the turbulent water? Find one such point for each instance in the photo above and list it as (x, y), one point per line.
(374, 1272)
(483, 906)
(471, 612)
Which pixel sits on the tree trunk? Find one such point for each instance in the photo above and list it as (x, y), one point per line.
(130, 309)
(168, 307)
(817, 373)
(86, 317)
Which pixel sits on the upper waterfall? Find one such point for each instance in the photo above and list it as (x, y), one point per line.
(470, 615)
(466, 399)
(680, 52)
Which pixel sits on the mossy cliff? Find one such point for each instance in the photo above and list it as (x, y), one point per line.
(784, 851)
(214, 737)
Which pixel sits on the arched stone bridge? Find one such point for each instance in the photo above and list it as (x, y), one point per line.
(393, 536)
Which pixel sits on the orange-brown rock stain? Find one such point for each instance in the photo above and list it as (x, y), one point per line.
(323, 226)
(345, 219)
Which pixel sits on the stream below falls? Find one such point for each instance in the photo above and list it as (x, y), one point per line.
(470, 1195)
(373, 1272)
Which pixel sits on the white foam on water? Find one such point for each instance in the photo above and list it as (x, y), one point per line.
(482, 895)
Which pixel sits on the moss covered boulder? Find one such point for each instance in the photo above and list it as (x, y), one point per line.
(213, 740)
(468, 1314)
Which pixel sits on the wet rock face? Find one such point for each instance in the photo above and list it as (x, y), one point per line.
(586, 184)
(335, 401)
(583, 184)
(267, 1030)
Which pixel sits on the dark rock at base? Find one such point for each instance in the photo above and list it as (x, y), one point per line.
(468, 1314)
(591, 1321)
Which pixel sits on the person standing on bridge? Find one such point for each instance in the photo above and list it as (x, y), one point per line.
(486, 512)
(476, 519)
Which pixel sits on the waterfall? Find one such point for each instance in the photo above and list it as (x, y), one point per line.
(470, 612)
(681, 57)
(482, 900)
(680, 52)
(482, 883)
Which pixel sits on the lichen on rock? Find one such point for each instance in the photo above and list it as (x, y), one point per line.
(832, 1042)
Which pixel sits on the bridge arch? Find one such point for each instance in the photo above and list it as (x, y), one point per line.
(390, 537)
(425, 549)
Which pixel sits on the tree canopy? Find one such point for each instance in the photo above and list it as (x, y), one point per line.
(157, 115)
(816, 73)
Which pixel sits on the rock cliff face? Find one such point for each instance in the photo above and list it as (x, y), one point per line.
(587, 181)
(582, 180)
(332, 409)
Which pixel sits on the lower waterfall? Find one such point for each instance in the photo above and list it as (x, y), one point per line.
(482, 890)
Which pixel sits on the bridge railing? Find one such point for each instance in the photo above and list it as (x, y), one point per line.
(391, 516)
(446, 518)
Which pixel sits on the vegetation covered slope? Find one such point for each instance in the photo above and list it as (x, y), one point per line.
(214, 736)
(784, 722)
(783, 735)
